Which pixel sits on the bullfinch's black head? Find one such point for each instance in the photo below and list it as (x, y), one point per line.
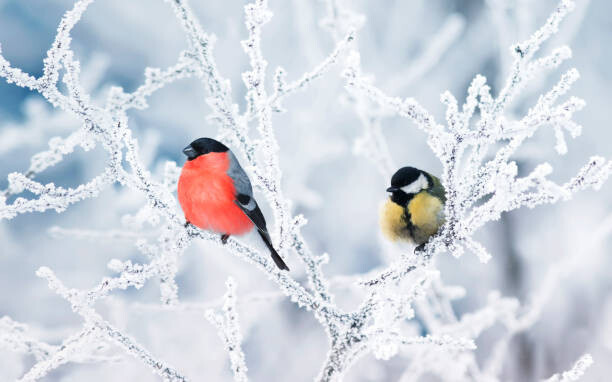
(203, 146)
(406, 182)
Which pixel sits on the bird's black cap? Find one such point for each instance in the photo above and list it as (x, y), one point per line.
(203, 146)
(403, 177)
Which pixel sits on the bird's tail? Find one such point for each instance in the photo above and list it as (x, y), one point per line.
(275, 256)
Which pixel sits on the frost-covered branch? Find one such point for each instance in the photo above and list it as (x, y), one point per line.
(480, 178)
(69, 349)
(576, 372)
(14, 337)
(95, 329)
(408, 107)
(229, 331)
(282, 88)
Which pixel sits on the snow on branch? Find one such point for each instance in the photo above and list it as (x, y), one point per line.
(70, 349)
(576, 372)
(95, 329)
(443, 341)
(15, 337)
(282, 88)
(49, 195)
(408, 107)
(480, 178)
(229, 331)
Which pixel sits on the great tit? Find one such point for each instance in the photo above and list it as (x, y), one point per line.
(216, 194)
(415, 210)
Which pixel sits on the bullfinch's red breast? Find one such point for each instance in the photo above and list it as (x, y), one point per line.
(216, 194)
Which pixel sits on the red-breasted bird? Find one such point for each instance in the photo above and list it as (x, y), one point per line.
(216, 194)
(415, 210)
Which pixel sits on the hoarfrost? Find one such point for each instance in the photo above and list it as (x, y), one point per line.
(475, 148)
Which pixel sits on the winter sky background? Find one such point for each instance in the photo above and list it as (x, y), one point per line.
(339, 192)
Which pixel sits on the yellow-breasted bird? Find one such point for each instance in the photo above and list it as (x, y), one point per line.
(415, 210)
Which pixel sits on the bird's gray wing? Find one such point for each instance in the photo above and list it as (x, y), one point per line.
(249, 206)
(240, 178)
(244, 194)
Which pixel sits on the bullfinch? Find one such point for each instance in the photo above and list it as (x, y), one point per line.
(415, 209)
(216, 194)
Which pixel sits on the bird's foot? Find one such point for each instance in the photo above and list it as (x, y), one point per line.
(419, 248)
(224, 238)
(187, 224)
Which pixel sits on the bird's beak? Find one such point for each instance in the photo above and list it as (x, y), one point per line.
(190, 152)
(392, 189)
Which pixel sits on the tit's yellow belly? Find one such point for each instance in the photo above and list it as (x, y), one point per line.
(393, 221)
(426, 216)
(417, 223)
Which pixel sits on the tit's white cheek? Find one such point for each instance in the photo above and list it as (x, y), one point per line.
(419, 184)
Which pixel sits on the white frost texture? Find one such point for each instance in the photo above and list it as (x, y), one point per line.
(321, 101)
